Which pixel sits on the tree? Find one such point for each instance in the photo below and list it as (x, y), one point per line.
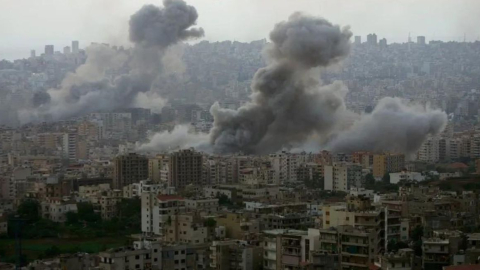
(369, 181)
(224, 200)
(417, 235)
(210, 222)
(30, 210)
(386, 178)
(87, 213)
(72, 218)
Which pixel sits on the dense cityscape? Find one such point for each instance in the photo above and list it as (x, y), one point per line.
(292, 152)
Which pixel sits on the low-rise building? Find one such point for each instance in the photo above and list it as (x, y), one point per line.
(56, 209)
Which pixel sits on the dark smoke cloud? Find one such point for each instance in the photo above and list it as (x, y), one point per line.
(290, 107)
(288, 102)
(152, 26)
(392, 126)
(112, 79)
(40, 98)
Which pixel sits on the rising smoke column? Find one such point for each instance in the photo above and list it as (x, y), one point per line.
(288, 103)
(289, 106)
(392, 126)
(90, 88)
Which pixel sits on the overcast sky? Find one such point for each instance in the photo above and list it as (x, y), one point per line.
(30, 24)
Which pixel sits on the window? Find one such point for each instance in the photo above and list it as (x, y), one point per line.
(137, 257)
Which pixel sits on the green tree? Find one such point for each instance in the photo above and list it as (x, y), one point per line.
(87, 213)
(224, 200)
(369, 181)
(72, 218)
(210, 222)
(30, 210)
(386, 178)
(417, 235)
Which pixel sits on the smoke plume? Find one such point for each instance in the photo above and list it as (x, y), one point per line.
(288, 103)
(392, 126)
(112, 79)
(289, 106)
(180, 137)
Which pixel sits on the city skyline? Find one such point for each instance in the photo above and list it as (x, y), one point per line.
(107, 21)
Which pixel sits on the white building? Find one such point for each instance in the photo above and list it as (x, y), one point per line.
(430, 150)
(406, 176)
(56, 209)
(69, 145)
(341, 176)
(157, 210)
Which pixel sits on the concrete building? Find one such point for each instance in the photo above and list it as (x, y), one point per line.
(49, 50)
(206, 205)
(406, 176)
(56, 209)
(358, 40)
(430, 150)
(185, 168)
(129, 169)
(401, 260)
(108, 203)
(155, 255)
(421, 40)
(157, 212)
(75, 47)
(155, 167)
(285, 249)
(69, 145)
(387, 163)
(342, 176)
(372, 39)
(235, 255)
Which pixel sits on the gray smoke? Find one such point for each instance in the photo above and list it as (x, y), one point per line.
(178, 138)
(290, 107)
(111, 79)
(288, 102)
(152, 26)
(392, 126)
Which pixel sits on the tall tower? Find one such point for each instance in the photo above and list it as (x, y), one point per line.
(129, 169)
(75, 46)
(49, 49)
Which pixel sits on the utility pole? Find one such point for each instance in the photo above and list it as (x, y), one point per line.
(18, 240)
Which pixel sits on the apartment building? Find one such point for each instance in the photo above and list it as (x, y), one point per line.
(235, 255)
(108, 203)
(185, 168)
(206, 205)
(187, 228)
(438, 251)
(400, 260)
(56, 209)
(129, 169)
(387, 163)
(157, 211)
(156, 255)
(341, 176)
(285, 249)
(287, 221)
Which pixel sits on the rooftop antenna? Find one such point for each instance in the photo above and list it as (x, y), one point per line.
(409, 38)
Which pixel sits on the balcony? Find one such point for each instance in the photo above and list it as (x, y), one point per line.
(353, 264)
(345, 253)
(359, 244)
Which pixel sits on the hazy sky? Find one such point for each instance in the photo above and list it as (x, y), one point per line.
(30, 24)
